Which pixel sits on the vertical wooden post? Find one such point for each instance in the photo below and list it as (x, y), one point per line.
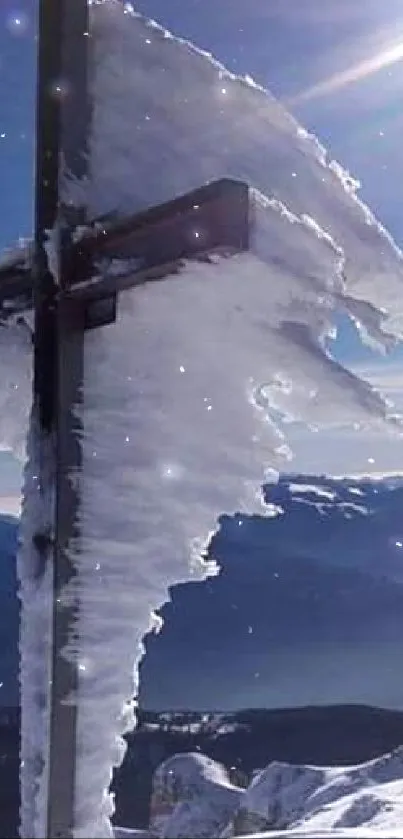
(62, 126)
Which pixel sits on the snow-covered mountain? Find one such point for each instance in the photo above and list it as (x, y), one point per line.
(310, 798)
(193, 798)
(245, 743)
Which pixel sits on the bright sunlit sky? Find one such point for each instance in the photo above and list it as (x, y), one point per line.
(338, 65)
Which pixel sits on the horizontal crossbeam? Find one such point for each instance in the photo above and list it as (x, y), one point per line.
(144, 247)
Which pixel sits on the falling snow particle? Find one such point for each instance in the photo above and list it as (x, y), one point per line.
(17, 24)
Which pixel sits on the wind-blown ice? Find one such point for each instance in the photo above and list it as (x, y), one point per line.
(186, 395)
(168, 117)
(182, 395)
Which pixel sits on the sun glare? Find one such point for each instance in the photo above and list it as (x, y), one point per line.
(353, 74)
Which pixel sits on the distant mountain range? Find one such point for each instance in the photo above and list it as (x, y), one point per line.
(194, 797)
(241, 742)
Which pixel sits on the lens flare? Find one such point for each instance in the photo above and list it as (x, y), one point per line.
(355, 73)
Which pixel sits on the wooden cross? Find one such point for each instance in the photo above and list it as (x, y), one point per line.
(78, 296)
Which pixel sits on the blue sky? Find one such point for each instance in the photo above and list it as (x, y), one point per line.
(17, 86)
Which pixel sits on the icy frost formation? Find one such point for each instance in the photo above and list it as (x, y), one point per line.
(168, 118)
(178, 422)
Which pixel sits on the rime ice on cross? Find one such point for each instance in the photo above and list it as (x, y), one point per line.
(72, 282)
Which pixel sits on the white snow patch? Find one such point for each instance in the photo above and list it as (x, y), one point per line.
(312, 489)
